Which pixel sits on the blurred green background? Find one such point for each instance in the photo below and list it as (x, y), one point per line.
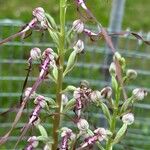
(14, 54)
(136, 11)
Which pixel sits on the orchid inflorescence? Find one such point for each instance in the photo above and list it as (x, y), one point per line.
(82, 134)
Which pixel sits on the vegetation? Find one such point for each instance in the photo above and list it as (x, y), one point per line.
(24, 13)
(136, 11)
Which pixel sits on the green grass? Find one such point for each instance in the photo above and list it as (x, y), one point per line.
(136, 11)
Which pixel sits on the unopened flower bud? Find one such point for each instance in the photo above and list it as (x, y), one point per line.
(106, 92)
(39, 13)
(79, 46)
(40, 100)
(128, 118)
(78, 26)
(34, 141)
(120, 59)
(101, 133)
(65, 130)
(35, 53)
(28, 93)
(84, 83)
(131, 74)
(49, 53)
(83, 125)
(139, 93)
(47, 147)
(64, 99)
(70, 88)
(112, 69)
(117, 56)
(95, 95)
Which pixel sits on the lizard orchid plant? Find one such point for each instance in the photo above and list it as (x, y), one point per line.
(112, 100)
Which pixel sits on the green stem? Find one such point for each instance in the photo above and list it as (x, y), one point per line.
(60, 65)
(109, 145)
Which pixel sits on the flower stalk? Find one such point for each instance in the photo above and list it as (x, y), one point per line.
(109, 144)
(60, 65)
